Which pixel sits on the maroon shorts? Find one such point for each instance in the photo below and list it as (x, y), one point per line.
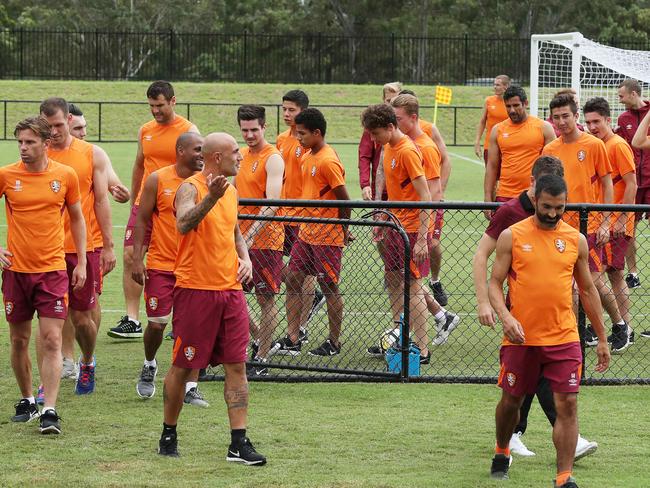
(393, 254)
(159, 293)
(642, 198)
(45, 293)
(129, 234)
(438, 223)
(290, 238)
(267, 270)
(595, 254)
(614, 252)
(503, 199)
(84, 299)
(522, 366)
(99, 282)
(210, 327)
(324, 262)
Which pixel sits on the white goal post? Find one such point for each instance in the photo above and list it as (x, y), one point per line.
(593, 70)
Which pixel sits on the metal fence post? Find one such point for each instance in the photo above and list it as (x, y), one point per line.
(245, 70)
(171, 54)
(392, 54)
(97, 54)
(99, 122)
(319, 48)
(22, 48)
(405, 333)
(582, 319)
(466, 57)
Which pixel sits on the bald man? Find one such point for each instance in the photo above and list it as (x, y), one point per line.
(210, 317)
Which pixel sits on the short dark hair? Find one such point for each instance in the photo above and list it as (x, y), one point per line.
(38, 125)
(515, 91)
(552, 184)
(564, 100)
(160, 87)
(312, 119)
(298, 97)
(406, 91)
(547, 165)
(74, 110)
(251, 112)
(631, 85)
(52, 105)
(598, 105)
(378, 117)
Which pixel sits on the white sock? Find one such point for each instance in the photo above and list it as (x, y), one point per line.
(31, 399)
(137, 322)
(45, 409)
(622, 322)
(433, 282)
(150, 364)
(440, 315)
(189, 385)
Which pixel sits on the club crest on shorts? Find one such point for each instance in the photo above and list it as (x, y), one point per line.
(582, 154)
(153, 303)
(9, 307)
(55, 186)
(560, 245)
(512, 379)
(189, 352)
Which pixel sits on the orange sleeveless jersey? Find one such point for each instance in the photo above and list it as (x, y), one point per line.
(159, 145)
(540, 282)
(161, 253)
(621, 159)
(402, 164)
(322, 172)
(293, 154)
(426, 127)
(251, 183)
(585, 162)
(431, 158)
(34, 203)
(520, 146)
(79, 156)
(495, 109)
(207, 258)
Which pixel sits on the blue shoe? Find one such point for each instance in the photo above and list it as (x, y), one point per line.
(86, 380)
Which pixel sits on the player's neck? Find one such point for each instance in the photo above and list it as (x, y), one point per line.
(65, 145)
(415, 132)
(169, 121)
(572, 137)
(638, 105)
(397, 136)
(293, 132)
(183, 171)
(608, 135)
(259, 146)
(318, 146)
(522, 120)
(37, 166)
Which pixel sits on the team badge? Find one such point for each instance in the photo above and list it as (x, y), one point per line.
(393, 163)
(153, 303)
(512, 379)
(18, 186)
(560, 245)
(128, 234)
(189, 352)
(313, 170)
(9, 307)
(55, 185)
(582, 154)
(298, 151)
(255, 164)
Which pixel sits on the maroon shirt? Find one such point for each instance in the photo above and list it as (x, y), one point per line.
(509, 213)
(369, 153)
(628, 123)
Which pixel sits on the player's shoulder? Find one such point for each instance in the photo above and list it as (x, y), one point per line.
(59, 169)
(282, 137)
(148, 126)
(553, 145)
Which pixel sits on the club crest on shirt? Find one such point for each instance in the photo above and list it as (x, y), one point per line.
(560, 245)
(393, 163)
(582, 154)
(9, 307)
(255, 164)
(55, 186)
(189, 352)
(313, 170)
(298, 151)
(512, 379)
(153, 303)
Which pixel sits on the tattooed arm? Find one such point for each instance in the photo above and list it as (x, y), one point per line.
(189, 213)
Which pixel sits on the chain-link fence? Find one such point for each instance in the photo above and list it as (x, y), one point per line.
(370, 337)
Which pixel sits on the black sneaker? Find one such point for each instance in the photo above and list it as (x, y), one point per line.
(632, 281)
(620, 338)
(25, 411)
(252, 370)
(571, 483)
(327, 348)
(425, 359)
(245, 453)
(646, 334)
(126, 329)
(285, 347)
(168, 445)
(438, 292)
(500, 465)
(319, 301)
(375, 351)
(591, 339)
(303, 335)
(50, 422)
(255, 348)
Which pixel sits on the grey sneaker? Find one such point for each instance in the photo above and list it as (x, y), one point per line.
(145, 388)
(445, 328)
(70, 370)
(194, 397)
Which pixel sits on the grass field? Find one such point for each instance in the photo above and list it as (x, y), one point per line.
(315, 435)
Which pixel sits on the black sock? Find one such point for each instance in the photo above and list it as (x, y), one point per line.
(237, 435)
(168, 429)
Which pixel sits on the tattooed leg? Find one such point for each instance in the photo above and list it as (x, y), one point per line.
(235, 392)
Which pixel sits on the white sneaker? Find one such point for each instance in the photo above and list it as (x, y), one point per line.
(70, 370)
(518, 447)
(584, 447)
(445, 327)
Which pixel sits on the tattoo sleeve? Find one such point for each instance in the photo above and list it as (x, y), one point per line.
(188, 214)
(237, 398)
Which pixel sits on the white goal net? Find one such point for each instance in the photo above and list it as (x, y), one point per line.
(592, 69)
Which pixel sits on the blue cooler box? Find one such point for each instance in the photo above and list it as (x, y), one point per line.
(394, 360)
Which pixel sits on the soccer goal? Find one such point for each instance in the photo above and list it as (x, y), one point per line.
(594, 70)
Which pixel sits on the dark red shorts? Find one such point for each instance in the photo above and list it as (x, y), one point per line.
(503, 199)
(210, 327)
(45, 293)
(84, 299)
(614, 252)
(522, 366)
(159, 294)
(267, 270)
(642, 198)
(438, 223)
(393, 254)
(290, 238)
(130, 229)
(324, 262)
(595, 254)
(99, 282)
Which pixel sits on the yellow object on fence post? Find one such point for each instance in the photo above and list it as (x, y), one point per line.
(443, 96)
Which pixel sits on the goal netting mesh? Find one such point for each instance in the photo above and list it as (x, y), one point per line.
(592, 69)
